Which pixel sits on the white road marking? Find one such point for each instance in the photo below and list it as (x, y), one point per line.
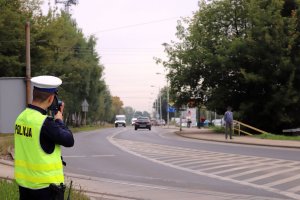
(294, 189)
(87, 156)
(140, 186)
(143, 149)
(286, 180)
(267, 175)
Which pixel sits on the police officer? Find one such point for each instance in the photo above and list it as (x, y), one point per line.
(38, 137)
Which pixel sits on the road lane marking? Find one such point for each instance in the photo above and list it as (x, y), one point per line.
(142, 148)
(141, 186)
(87, 156)
(267, 175)
(281, 181)
(253, 171)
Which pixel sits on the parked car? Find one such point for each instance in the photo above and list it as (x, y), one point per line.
(218, 122)
(162, 122)
(142, 123)
(154, 122)
(206, 123)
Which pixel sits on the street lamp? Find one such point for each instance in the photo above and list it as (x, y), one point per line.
(85, 109)
(160, 113)
(168, 114)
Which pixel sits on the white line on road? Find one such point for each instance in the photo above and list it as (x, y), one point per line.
(87, 156)
(118, 143)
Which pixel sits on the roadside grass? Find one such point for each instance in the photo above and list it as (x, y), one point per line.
(277, 137)
(9, 191)
(269, 136)
(89, 128)
(7, 140)
(218, 129)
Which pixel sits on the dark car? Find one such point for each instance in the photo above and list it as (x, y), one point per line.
(142, 122)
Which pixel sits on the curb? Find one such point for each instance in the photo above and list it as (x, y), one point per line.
(236, 142)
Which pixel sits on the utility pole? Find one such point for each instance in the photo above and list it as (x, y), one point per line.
(160, 105)
(168, 114)
(28, 67)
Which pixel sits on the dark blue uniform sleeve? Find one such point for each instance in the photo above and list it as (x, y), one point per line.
(55, 132)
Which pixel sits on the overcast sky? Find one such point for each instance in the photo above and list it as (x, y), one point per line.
(130, 33)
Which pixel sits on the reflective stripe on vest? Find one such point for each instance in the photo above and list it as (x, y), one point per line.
(34, 168)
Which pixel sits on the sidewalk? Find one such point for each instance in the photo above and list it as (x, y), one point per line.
(209, 135)
(106, 189)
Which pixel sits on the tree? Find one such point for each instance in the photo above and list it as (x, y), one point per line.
(13, 16)
(117, 107)
(232, 52)
(129, 112)
(58, 48)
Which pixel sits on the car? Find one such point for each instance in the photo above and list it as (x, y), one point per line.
(133, 120)
(120, 121)
(206, 123)
(162, 122)
(154, 122)
(218, 122)
(142, 123)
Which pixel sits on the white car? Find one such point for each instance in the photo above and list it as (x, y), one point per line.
(120, 121)
(218, 122)
(133, 120)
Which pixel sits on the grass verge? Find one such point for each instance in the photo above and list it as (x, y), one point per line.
(9, 191)
(271, 136)
(89, 128)
(7, 140)
(218, 129)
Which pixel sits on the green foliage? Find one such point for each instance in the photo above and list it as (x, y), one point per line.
(8, 190)
(243, 53)
(277, 137)
(89, 128)
(218, 129)
(59, 48)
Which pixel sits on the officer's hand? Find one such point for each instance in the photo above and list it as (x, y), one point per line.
(59, 114)
(61, 109)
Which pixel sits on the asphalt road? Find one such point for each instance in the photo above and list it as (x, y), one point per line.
(162, 159)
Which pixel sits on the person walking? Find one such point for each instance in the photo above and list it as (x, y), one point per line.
(228, 118)
(38, 161)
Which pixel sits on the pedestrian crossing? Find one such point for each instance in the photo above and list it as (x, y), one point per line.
(273, 175)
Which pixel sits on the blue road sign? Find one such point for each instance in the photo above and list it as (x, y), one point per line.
(171, 109)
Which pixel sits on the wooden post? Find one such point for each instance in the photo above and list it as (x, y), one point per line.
(28, 67)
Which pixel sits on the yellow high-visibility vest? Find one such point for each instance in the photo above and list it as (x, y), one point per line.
(34, 168)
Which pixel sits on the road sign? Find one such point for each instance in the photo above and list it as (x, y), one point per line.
(171, 109)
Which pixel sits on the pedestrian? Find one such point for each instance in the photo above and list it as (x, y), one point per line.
(189, 121)
(228, 118)
(38, 161)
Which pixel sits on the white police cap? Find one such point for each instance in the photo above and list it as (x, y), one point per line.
(46, 83)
